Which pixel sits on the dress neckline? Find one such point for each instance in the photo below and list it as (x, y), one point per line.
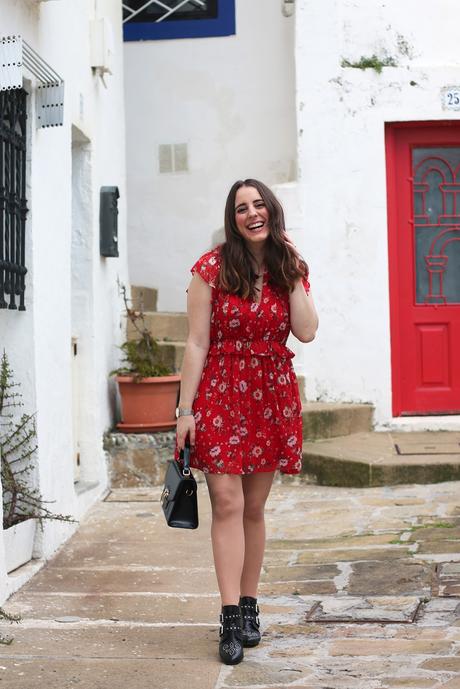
(264, 274)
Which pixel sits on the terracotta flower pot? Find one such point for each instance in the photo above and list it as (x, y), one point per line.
(148, 405)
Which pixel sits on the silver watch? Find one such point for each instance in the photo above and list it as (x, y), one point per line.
(183, 412)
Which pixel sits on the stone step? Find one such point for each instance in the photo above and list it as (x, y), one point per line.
(140, 459)
(144, 298)
(371, 459)
(301, 384)
(172, 354)
(165, 326)
(328, 420)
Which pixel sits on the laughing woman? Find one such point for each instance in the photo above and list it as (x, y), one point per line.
(239, 405)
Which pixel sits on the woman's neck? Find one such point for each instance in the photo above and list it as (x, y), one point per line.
(258, 258)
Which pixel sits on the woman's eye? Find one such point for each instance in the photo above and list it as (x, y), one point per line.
(240, 210)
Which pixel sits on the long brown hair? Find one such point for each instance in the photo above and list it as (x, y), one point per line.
(285, 266)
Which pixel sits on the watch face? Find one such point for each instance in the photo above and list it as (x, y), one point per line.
(177, 412)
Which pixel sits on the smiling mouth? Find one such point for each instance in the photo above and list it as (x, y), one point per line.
(255, 226)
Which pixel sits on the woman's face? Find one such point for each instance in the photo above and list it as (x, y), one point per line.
(251, 216)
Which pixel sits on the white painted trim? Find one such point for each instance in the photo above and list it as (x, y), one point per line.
(421, 423)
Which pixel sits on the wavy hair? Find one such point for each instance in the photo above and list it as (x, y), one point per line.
(284, 264)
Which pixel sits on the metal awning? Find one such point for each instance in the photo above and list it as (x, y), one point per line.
(17, 55)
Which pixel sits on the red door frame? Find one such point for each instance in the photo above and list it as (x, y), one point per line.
(396, 220)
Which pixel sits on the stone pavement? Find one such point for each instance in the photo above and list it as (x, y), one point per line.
(360, 589)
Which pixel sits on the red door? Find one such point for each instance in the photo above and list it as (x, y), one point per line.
(423, 183)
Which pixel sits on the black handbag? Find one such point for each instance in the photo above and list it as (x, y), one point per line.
(179, 496)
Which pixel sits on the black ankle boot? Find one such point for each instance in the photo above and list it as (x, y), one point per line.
(251, 622)
(231, 641)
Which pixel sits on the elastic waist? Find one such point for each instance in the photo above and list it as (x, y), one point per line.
(250, 348)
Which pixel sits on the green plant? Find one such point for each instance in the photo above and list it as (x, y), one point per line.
(6, 640)
(372, 62)
(142, 356)
(18, 447)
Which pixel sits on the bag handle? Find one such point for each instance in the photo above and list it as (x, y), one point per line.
(185, 457)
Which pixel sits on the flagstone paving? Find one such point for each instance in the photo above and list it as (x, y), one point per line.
(360, 590)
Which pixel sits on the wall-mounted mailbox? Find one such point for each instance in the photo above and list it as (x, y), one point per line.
(108, 221)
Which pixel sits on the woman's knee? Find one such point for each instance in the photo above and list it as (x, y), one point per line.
(226, 506)
(254, 509)
(227, 499)
(256, 488)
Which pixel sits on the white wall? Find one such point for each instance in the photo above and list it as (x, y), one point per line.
(39, 339)
(341, 114)
(231, 99)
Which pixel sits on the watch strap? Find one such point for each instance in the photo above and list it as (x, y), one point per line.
(184, 412)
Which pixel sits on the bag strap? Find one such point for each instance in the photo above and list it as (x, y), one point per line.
(185, 453)
(185, 457)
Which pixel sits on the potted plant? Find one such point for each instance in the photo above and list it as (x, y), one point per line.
(148, 388)
(23, 505)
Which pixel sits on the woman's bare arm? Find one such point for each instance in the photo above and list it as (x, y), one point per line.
(304, 319)
(196, 350)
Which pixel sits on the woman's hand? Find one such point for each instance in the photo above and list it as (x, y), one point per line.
(185, 427)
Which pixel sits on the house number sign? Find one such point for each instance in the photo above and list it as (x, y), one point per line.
(451, 98)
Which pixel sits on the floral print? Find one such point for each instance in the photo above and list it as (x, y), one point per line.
(247, 408)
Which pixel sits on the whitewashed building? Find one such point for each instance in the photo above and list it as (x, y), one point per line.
(350, 110)
(378, 158)
(202, 112)
(61, 140)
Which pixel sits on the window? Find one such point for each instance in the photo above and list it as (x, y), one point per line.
(163, 19)
(13, 202)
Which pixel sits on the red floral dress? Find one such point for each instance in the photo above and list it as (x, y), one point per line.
(247, 408)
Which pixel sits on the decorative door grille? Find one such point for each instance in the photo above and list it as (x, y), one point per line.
(13, 202)
(436, 185)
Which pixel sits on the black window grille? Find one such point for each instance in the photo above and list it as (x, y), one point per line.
(13, 202)
(158, 20)
(140, 11)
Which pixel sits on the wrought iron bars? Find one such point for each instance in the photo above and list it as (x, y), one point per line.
(13, 203)
(132, 11)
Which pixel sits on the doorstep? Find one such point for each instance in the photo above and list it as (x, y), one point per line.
(372, 459)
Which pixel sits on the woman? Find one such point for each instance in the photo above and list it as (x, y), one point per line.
(239, 403)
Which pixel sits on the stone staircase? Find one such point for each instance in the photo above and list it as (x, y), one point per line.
(339, 448)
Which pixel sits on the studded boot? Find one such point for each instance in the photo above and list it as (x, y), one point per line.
(251, 622)
(231, 640)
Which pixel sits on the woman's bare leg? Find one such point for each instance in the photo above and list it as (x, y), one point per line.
(256, 488)
(227, 533)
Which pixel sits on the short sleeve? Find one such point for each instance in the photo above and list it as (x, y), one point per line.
(306, 283)
(208, 267)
